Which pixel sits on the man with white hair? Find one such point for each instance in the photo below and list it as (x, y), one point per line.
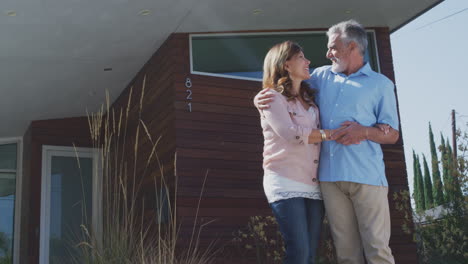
(352, 171)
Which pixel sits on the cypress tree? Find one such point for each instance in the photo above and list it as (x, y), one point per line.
(420, 201)
(454, 191)
(428, 198)
(445, 166)
(436, 182)
(415, 182)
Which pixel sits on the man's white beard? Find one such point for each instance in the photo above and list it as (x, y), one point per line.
(338, 65)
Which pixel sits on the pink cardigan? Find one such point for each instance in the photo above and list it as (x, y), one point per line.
(286, 127)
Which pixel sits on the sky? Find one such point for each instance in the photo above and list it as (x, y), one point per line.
(429, 56)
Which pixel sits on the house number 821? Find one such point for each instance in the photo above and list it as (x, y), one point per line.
(188, 84)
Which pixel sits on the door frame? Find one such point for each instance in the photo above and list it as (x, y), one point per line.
(47, 152)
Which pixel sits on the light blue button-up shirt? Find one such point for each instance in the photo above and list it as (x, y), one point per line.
(366, 97)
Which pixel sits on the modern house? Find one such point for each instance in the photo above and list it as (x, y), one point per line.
(202, 60)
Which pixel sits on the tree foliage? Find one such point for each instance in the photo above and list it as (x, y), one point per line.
(442, 238)
(445, 164)
(452, 187)
(436, 181)
(419, 185)
(428, 198)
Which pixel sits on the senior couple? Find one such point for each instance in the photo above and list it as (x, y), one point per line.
(322, 135)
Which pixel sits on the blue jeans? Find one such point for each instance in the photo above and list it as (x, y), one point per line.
(300, 221)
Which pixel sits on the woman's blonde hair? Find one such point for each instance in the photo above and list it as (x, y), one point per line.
(276, 77)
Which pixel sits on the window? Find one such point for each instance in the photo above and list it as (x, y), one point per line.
(8, 174)
(240, 56)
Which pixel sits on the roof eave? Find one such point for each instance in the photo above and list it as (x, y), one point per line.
(416, 16)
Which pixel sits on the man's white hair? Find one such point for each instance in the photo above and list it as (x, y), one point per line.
(350, 31)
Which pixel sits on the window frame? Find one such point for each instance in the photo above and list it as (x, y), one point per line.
(191, 36)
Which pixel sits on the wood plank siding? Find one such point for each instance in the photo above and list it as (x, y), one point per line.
(152, 107)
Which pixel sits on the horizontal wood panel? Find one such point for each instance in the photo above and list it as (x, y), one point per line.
(154, 91)
(160, 85)
(213, 99)
(221, 211)
(222, 192)
(217, 127)
(212, 181)
(218, 136)
(218, 164)
(222, 109)
(225, 183)
(216, 154)
(240, 173)
(390, 155)
(395, 165)
(218, 117)
(222, 202)
(151, 106)
(397, 181)
(219, 145)
(202, 80)
(216, 90)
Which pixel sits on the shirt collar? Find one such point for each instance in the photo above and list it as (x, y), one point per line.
(366, 70)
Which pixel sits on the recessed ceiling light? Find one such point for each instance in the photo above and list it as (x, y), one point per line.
(11, 13)
(348, 12)
(257, 11)
(144, 12)
(107, 69)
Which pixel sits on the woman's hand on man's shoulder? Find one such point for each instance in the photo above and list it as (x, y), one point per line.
(263, 99)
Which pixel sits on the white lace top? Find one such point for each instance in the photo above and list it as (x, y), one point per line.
(278, 188)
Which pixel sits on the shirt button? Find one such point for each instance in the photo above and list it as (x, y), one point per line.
(331, 155)
(331, 121)
(316, 161)
(298, 137)
(336, 105)
(314, 180)
(294, 113)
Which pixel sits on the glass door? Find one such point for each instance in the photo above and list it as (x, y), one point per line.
(8, 172)
(69, 201)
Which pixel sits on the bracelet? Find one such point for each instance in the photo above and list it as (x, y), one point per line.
(324, 136)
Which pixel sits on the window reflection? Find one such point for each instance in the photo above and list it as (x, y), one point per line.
(7, 204)
(70, 206)
(242, 55)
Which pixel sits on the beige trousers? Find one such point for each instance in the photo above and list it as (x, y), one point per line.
(359, 221)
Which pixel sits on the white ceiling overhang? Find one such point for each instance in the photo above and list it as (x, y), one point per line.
(53, 53)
